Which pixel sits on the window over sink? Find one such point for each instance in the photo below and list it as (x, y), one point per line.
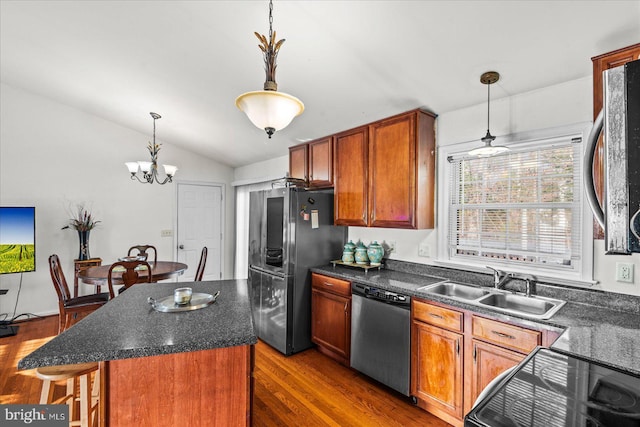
(520, 210)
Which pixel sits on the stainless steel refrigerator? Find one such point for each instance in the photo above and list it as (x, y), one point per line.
(290, 230)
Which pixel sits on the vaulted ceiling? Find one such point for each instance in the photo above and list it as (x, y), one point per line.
(350, 62)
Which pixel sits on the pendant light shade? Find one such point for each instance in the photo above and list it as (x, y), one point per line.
(487, 150)
(269, 109)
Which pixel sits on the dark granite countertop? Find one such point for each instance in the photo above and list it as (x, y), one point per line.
(128, 327)
(606, 334)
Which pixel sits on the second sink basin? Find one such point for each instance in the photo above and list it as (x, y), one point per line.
(534, 306)
(456, 290)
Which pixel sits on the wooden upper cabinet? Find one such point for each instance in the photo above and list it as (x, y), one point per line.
(385, 173)
(321, 163)
(350, 175)
(298, 162)
(402, 171)
(601, 63)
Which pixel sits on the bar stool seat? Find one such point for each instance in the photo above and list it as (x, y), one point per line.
(79, 389)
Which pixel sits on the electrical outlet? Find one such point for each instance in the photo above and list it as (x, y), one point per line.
(392, 246)
(624, 272)
(424, 250)
(166, 233)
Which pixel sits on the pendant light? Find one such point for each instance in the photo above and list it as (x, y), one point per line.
(488, 78)
(269, 109)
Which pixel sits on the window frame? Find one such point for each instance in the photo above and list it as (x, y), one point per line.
(582, 273)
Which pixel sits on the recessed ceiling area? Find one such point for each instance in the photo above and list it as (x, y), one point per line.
(350, 62)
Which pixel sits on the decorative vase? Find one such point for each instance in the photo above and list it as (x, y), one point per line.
(348, 252)
(361, 254)
(347, 257)
(375, 253)
(83, 236)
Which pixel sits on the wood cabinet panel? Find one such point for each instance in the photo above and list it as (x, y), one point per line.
(331, 324)
(321, 163)
(351, 177)
(200, 388)
(392, 172)
(437, 370)
(298, 162)
(489, 361)
(331, 284)
(437, 316)
(510, 336)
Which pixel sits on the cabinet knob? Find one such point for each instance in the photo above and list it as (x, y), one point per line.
(181, 247)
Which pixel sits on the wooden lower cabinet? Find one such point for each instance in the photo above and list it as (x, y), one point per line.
(331, 317)
(456, 353)
(489, 361)
(436, 370)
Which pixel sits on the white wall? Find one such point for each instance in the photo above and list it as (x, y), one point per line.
(261, 171)
(550, 107)
(53, 156)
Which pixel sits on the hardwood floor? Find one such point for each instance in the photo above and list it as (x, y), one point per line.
(304, 389)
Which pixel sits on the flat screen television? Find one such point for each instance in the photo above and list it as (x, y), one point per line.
(17, 239)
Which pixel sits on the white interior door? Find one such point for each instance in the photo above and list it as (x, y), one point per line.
(200, 223)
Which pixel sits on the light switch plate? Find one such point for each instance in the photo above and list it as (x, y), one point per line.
(624, 272)
(166, 233)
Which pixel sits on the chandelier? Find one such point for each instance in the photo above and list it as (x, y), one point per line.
(488, 78)
(150, 169)
(269, 109)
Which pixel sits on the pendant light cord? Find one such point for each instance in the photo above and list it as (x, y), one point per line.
(488, 104)
(270, 19)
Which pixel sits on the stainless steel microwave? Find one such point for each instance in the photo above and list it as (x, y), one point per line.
(619, 122)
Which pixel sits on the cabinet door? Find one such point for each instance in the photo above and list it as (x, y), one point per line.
(321, 163)
(436, 371)
(350, 175)
(298, 162)
(489, 361)
(331, 323)
(392, 172)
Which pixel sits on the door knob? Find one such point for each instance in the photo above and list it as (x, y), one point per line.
(181, 247)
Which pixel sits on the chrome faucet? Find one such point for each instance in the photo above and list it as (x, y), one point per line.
(530, 285)
(500, 278)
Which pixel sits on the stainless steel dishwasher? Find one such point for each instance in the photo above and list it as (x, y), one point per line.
(381, 335)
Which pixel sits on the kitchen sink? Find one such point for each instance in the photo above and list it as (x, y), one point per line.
(455, 290)
(497, 299)
(533, 306)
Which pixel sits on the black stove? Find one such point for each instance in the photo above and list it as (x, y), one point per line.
(553, 389)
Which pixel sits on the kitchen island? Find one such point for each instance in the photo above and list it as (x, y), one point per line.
(165, 369)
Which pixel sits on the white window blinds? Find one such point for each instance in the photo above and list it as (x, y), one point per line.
(522, 207)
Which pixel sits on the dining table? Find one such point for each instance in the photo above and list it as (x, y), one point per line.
(160, 270)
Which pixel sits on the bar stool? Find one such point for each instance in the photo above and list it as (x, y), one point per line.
(79, 389)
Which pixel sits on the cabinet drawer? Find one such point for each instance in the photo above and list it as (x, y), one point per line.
(437, 316)
(331, 284)
(510, 336)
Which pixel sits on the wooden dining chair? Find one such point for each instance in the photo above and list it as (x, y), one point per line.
(201, 264)
(130, 275)
(70, 307)
(142, 251)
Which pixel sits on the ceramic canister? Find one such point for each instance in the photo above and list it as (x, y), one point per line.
(361, 254)
(348, 253)
(375, 251)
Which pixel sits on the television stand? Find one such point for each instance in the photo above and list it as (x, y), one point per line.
(6, 330)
